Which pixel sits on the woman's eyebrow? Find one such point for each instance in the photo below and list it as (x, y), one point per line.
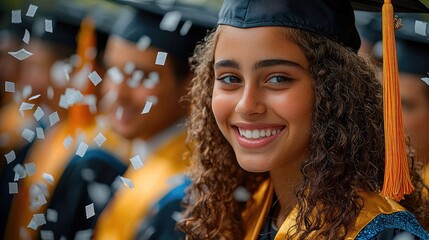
(276, 62)
(226, 64)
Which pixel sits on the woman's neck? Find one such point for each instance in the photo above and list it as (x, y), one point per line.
(286, 182)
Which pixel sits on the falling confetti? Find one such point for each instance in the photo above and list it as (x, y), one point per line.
(420, 27)
(34, 97)
(119, 113)
(115, 75)
(30, 168)
(143, 43)
(89, 210)
(26, 37)
(127, 182)
(16, 16)
(28, 135)
(40, 134)
(20, 171)
(99, 139)
(48, 178)
(129, 67)
(426, 80)
(50, 92)
(9, 86)
(185, 28)
(152, 99)
(46, 235)
(52, 215)
(10, 156)
(67, 141)
(241, 194)
(48, 26)
(39, 219)
(161, 57)
(136, 162)
(21, 54)
(177, 216)
(170, 21)
(95, 78)
(147, 107)
(38, 114)
(26, 106)
(13, 188)
(53, 118)
(32, 225)
(83, 235)
(81, 149)
(31, 10)
(41, 200)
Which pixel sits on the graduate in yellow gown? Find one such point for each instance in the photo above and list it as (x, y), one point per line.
(148, 75)
(289, 138)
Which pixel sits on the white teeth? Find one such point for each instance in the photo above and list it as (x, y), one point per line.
(257, 133)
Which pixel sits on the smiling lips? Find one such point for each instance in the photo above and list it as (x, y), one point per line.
(256, 137)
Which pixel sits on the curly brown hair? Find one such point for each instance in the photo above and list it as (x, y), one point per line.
(346, 147)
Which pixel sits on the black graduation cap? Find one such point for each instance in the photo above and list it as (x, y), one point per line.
(179, 41)
(333, 19)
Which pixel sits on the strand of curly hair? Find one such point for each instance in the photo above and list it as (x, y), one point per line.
(346, 147)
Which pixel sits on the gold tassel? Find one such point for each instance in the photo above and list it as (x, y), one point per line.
(397, 180)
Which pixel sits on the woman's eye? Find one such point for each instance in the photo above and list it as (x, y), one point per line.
(279, 80)
(228, 79)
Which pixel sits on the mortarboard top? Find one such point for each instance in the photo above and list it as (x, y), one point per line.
(335, 20)
(146, 16)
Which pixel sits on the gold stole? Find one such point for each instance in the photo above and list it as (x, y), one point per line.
(120, 219)
(254, 217)
(50, 156)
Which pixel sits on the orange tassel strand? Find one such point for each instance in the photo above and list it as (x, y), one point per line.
(397, 180)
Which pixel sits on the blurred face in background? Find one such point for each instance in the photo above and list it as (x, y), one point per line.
(143, 82)
(415, 106)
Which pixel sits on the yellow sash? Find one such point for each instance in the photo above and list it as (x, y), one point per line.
(120, 219)
(254, 217)
(50, 156)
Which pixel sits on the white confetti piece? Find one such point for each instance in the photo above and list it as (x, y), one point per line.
(53, 118)
(20, 171)
(13, 188)
(34, 97)
(50, 92)
(39, 219)
(161, 57)
(38, 114)
(136, 161)
(81, 149)
(95, 78)
(177, 216)
(143, 43)
(89, 210)
(48, 26)
(426, 80)
(115, 75)
(127, 182)
(28, 135)
(241, 194)
(32, 225)
(170, 21)
(9, 86)
(420, 28)
(26, 37)
(185, 28)
(67, 141)
(26, 106)
(30, 168)
(87, 174)
(48, 178)
(153, 99)
(99, 139)
(133, 83)
(46, 235)
(40, 134)
(154, 76)
(129, 67)
(21, 54)
(83, 235)
(119, 113)
(138, 75)
(16, 16)
(31, 10)
(51, 215)
(41, 200)
(26, 91)
(10, 156)
(147, 107)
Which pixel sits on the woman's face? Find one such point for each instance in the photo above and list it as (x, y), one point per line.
(262, 97)
(415, 106)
